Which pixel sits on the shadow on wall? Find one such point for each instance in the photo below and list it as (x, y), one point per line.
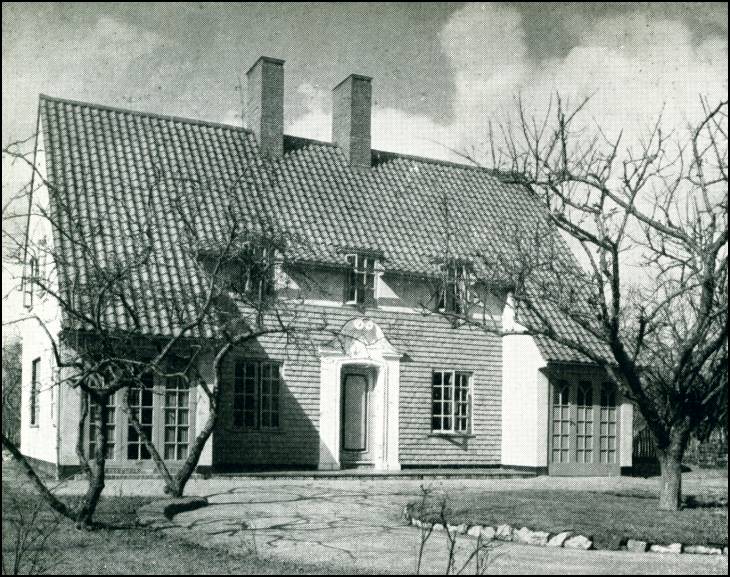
(294, 444)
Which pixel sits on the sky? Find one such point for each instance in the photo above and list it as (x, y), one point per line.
(440, 70)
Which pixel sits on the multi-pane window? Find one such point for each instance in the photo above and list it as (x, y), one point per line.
(450, 409)
(141, 404)
(584, 433)
(177, 414)
(252, 273)
(256, 394)
(452, 296)
(561, 422)
(30, 280)
(608, 424)
(360, 279)
(110, 426)
(35, 385)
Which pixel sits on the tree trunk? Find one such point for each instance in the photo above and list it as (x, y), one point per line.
(36, 481)
(670, 496)
(670, 464)
(183, 475)
(97, 466)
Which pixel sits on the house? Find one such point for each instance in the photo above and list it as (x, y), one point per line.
(403, 387)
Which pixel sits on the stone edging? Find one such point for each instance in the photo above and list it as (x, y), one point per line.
(565, 539)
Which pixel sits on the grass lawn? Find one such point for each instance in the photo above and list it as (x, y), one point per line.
(119, 547)
(603, 515)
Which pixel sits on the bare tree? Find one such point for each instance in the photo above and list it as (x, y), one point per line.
(11, 385)
(648, 302)
(101, 283)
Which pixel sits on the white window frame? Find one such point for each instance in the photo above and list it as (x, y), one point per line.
(455, 280)
(358, 267)
(452, 415)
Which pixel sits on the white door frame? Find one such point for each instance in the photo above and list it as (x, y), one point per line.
(362, 350)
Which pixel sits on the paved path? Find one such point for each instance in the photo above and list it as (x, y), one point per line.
(357, 525)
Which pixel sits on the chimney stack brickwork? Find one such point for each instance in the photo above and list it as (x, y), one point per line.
(351, 105)
(265, 105)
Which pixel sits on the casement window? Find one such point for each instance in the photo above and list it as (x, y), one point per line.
(111, 427)
(252, 275)
(256, 395)
(607, 442)
(360, 287)
(451, 402)
(453, 292)
(177, 412)
(35, 386)
(142, 404)
(29, 281)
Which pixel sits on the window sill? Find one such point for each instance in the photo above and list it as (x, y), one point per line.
(452, 435)
(256, 431)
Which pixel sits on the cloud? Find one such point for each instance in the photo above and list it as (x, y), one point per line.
(392, 129)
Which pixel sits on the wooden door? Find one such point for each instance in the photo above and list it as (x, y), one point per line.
(356, 417)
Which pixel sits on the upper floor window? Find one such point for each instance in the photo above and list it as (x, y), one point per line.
(29, 281)
(251, 272)
(35, 384)
(453, 292)
(360, 279)
(451, 402)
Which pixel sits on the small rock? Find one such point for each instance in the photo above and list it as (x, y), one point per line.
(724, 551)
(636, 546)
(416, 522)
(488, 533)
(578, 542)
(438, 527)
(530, 537)
(559, 539)
(475, 531)
(458, 529)
(673, 548)
(614, 543)
(504, 533)
(702, 550)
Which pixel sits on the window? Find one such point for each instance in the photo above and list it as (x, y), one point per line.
(451, 400)
(452, 297)
(360, 279)
(561, 422)
(111, 426)
(177, 413)
(29, 281)
(256, 393)
(141, 402)
(35, 378)
(584, 433)
(608, 424)
(253, 274)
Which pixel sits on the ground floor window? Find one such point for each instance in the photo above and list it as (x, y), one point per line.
(451, 399)
(177, 397)
(111, 427)
(608, 423)
(142, 405)
(256, 395)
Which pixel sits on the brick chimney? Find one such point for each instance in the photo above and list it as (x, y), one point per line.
(265, 106)
(351, 103)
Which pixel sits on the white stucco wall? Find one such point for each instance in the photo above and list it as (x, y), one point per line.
(524, 403)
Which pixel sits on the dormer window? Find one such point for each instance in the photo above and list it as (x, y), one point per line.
(360, 288)
(453, 292)
(253, 275)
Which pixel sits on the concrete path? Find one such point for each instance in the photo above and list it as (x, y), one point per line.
(358, 525)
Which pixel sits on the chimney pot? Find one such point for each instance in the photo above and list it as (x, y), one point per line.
(265, 105)
(351, 108)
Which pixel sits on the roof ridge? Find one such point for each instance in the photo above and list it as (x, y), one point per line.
(388, 154)
(157, 115)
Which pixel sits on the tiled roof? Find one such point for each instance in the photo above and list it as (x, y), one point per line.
(113, 171)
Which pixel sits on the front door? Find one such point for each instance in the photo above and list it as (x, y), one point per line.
(356, 417)
(583, 436)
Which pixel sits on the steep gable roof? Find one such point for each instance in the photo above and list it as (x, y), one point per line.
(119, 174)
